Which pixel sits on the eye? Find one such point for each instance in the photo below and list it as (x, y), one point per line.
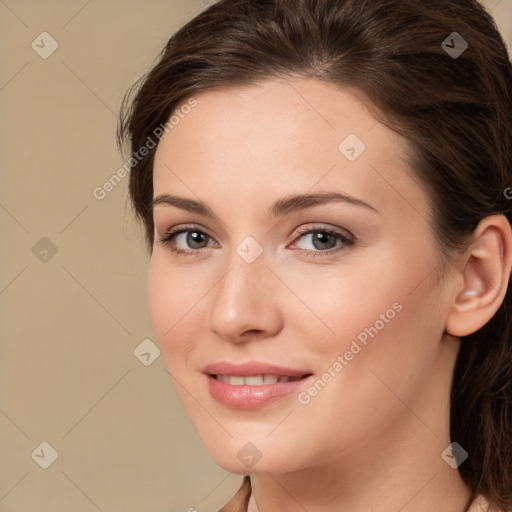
(322, 241)
(189, 236)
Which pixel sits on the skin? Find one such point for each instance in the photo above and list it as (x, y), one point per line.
(372, 438)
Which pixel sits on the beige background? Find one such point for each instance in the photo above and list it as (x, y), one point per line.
(72, 320)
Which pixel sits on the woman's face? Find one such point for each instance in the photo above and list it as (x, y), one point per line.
(343, 290)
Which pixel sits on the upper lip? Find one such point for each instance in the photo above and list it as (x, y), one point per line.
(251, 368)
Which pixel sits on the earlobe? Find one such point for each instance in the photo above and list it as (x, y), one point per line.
(485, 277)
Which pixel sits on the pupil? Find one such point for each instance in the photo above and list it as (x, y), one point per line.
(194, 238)
(323, 238)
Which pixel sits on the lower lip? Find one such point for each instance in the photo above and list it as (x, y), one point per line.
(251, 397)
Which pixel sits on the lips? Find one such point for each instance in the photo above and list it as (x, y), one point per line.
(252, 385)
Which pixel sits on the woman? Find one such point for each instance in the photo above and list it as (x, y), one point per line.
(327, 212)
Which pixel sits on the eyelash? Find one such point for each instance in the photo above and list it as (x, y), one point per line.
(347, 240)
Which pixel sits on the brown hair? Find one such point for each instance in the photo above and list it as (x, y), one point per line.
(455, 111)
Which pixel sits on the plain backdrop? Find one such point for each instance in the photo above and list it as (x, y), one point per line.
(73, 373)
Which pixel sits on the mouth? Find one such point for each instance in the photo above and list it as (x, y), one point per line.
(253, 385)
(251, 391)
(257, 380)
(254, 372)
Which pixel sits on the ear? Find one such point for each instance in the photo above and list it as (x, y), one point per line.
(485, 276)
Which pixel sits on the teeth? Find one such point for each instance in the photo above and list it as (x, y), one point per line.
(254, 380)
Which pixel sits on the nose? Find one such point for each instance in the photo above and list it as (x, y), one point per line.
(245, 302)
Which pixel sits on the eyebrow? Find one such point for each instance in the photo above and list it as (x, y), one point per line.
(279, 208)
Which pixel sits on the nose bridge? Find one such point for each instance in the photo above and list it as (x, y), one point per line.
(242, 300)
(247, 264)
(243, 283)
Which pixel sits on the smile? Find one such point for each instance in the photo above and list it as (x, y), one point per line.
(253, 392)
(256, 380)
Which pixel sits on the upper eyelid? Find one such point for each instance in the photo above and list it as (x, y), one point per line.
(320, 226)
(184, 228)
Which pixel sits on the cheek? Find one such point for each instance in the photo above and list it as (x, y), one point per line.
(174, 301)
(341, 302)
(387, 328)
(382, 357)
(381, 312)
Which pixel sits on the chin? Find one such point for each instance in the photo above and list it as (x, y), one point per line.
(245, 458)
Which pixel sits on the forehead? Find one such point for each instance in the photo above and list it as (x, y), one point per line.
(283, 137)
